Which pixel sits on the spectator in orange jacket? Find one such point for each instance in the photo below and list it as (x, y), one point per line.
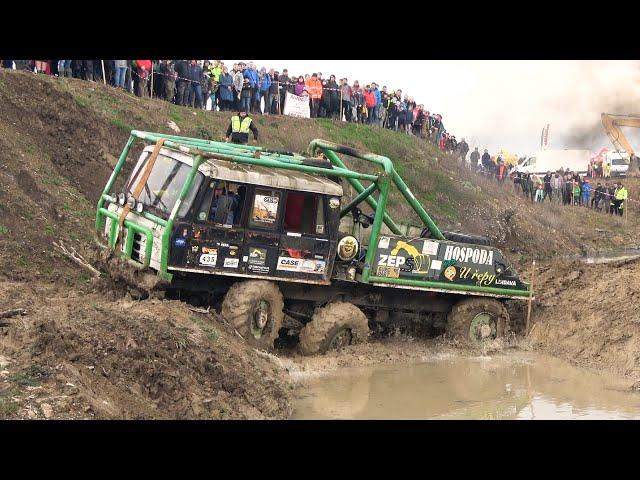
(370, 102)
(314, 87)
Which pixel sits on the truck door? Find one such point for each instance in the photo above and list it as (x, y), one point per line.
(262, 233)
(305, 245)
(217, 235)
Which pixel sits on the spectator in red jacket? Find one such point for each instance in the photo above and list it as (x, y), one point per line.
(143, 68)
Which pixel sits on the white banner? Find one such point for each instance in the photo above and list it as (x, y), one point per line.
(296, 106)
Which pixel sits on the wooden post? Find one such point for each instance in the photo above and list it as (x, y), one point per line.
(104, 77)
(533, 272)
(626, 209)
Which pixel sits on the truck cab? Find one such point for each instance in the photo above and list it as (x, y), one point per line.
(242, 222)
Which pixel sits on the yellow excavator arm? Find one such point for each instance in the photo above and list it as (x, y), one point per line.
(612, 124)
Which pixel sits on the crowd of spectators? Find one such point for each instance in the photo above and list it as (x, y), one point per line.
(563, 187)
(213, 85)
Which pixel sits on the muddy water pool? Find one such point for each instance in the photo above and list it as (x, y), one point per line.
(515, 386)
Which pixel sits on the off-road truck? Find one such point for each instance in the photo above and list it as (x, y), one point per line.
(273, 238)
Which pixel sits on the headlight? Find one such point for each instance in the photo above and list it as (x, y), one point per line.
(347, 248)
(121, 199)
(131, 202)
(139, 207)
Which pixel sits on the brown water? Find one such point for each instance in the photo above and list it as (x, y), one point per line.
(504, 387)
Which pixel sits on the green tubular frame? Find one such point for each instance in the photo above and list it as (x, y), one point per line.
(201, 150)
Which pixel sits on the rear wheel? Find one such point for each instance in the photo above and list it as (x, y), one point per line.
(332, 327)
(478, 320)
(255, 308)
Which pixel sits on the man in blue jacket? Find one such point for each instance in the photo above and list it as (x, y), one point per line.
(250, 74)
(376, 109)
(264, 82)
(586, 192)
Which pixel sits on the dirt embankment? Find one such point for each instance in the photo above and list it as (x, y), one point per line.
(590, 315)
(82, 354)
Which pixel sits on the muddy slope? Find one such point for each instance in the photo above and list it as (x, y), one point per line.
(589, 314)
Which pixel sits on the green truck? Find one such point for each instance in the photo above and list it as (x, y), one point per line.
(271, 238)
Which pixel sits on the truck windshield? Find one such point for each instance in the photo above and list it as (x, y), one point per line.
(164, 184)
(618, 161)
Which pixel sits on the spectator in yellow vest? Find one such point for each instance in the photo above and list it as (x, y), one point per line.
(238, 130)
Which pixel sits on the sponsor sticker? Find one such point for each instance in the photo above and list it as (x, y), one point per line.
(334, 202)
(301, 265)
(429, 247)
(389, 272)
(450, 273)
(265, 208)
(258, 268)
(478, 256)
(231, 262)
(288, 263)
(391, 260)
(436, 264)
(384, 242)
(257, 256)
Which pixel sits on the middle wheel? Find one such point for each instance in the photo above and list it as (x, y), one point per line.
(334, 326)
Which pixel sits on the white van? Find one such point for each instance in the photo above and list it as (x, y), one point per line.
(619, 163)
(552, 160)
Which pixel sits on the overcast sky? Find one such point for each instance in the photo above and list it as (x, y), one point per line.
(502, 103)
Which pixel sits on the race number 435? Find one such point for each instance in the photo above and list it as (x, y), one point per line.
(208, 259)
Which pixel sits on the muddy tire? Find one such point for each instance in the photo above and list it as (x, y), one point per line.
(333, 326)
(255, 309)
(476, 320)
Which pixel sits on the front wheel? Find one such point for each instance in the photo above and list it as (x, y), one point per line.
(255, 308)
(478, 320)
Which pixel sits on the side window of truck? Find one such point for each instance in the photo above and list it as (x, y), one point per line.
(304, 213)
(222, 203)
(264, 210)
